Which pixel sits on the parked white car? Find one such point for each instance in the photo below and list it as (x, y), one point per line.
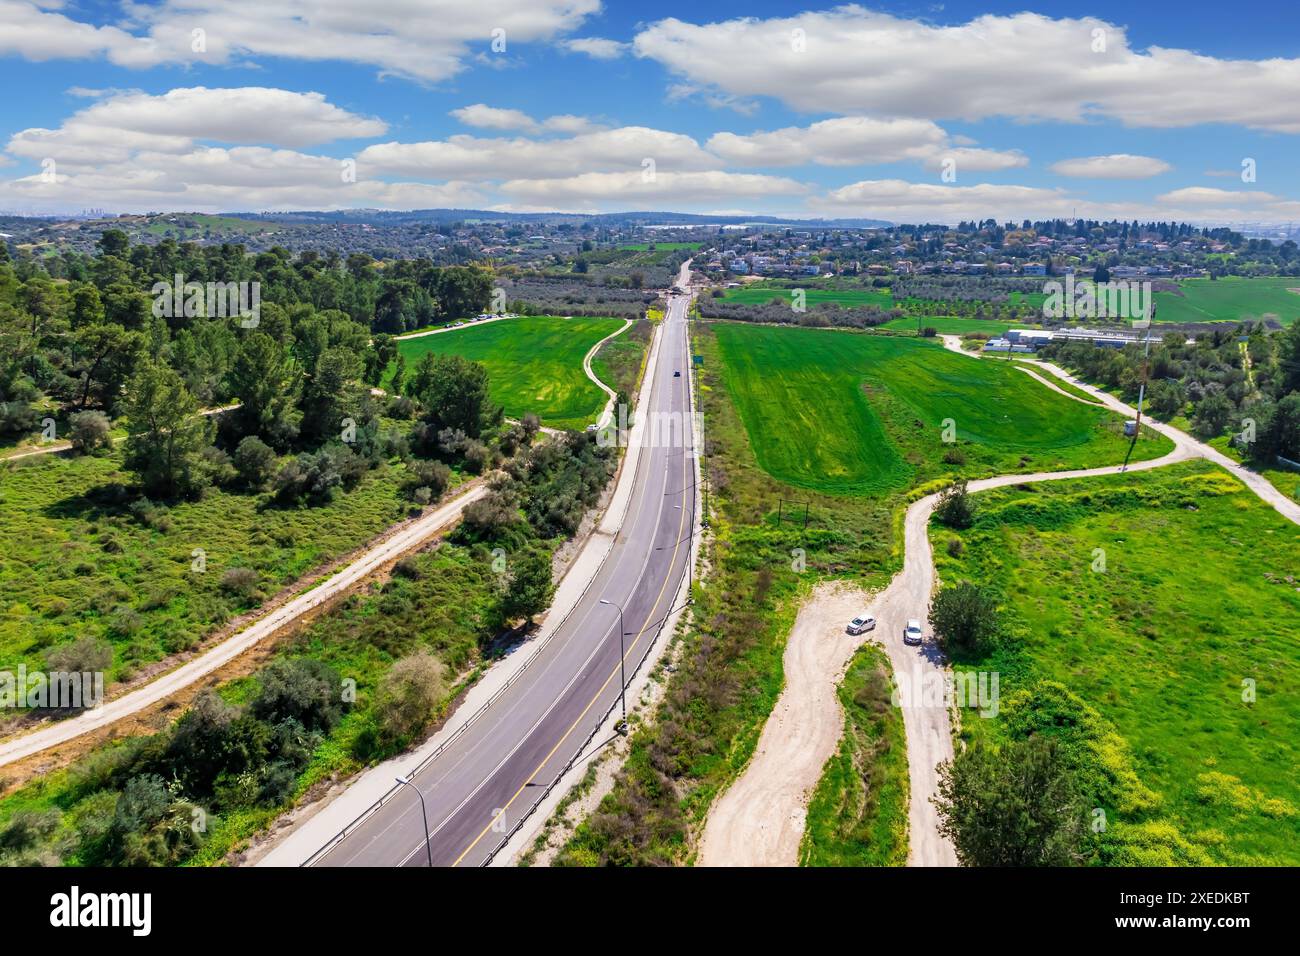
(861, 624)
(912, 634)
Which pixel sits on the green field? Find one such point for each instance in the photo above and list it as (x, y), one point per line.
(661, 246)
(950, 325)
(857, 816)
(1231, 299)
(849, 298)
(76, 562)
(855, 413)
(1197, 597)
(534, 364)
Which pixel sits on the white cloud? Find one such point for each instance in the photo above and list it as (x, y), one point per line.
(1205, 195)
(522, 158)
(598, 48)
(1026, 66)
(857, 141)
(636, 190)
(482, 116)
(421, 39)
(113, 128)
(1113, 166)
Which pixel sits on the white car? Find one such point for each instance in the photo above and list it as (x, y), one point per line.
(861, 623)
(912, 634)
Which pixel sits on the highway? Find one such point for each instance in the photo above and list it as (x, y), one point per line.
(478, 789)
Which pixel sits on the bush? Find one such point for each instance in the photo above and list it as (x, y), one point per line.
(84, 654)
(241, 582)
(303, 690)
(88, 431)
(478, 457)
(216, 466)
(17, 418)
(965, 619)
(432, 476)
(409, 695)
(254, 461)
(954, 507)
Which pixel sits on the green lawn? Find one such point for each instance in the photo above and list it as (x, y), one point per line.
(857, 816)
(855, 413)
(1197, 594)
(1231, 299)
(75, 562)
(534, 364)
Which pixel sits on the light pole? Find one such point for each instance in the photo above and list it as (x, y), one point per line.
(622, 674)
(428, 847)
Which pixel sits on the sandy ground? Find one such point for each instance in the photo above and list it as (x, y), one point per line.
(759, 821)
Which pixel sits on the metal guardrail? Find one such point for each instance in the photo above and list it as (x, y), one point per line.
(360, 818)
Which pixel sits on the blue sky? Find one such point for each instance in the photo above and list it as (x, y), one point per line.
(896, 111)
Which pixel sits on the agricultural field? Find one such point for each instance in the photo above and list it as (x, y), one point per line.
(76, 560)
(661, 246)
(950, 325)
(857, 816)
(856, 413)
(619, 361)
(1231, 299)
(1179, 684)
(534, 364)
(758, 294)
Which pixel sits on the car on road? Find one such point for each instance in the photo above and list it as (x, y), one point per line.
(912, 633)
(677, 373)
(860, 624)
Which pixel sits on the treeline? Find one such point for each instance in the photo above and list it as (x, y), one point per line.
(780, 312)
(1250, 389)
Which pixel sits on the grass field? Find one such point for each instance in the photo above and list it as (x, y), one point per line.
(857, 816)
(949, 325)
(75, 562)
(759, 294)
(1231, 299)
(1197, 595)
(661, 246)
(853, 413)
(534, 364)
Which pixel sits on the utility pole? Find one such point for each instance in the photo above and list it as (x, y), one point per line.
(622, 684)
(428, 847)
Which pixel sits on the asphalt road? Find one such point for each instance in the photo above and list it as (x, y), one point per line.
(482, 785)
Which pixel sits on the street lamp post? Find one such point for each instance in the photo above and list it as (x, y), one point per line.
(428, 847)
(622, 673)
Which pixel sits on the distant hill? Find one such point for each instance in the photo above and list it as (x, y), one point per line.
(389, 217)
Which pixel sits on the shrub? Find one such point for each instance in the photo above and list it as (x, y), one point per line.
(88, 431)
(478, 457)
(433, 476)
(304, 690)
(84, 654)
(254, 461)
(241, 582)
(409, 695)
(954, 507)
(965, 619)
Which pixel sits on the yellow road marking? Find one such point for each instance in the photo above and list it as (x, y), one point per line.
(613, 674)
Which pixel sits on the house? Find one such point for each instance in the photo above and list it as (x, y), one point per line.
(1034, 269)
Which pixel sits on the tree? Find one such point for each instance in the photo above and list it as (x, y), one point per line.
(1211, 415)
(165, 434)
(301, 689)
(328, 393)
(530, 588)
(1016, 805)
(1167, 399)
(1279, 434)
(106, 356)
(965, 619)
(265, 380)
(454, 393)
(409, 695)
(88, 431)
(254, 461)
(1288, 347)
(954, 507)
